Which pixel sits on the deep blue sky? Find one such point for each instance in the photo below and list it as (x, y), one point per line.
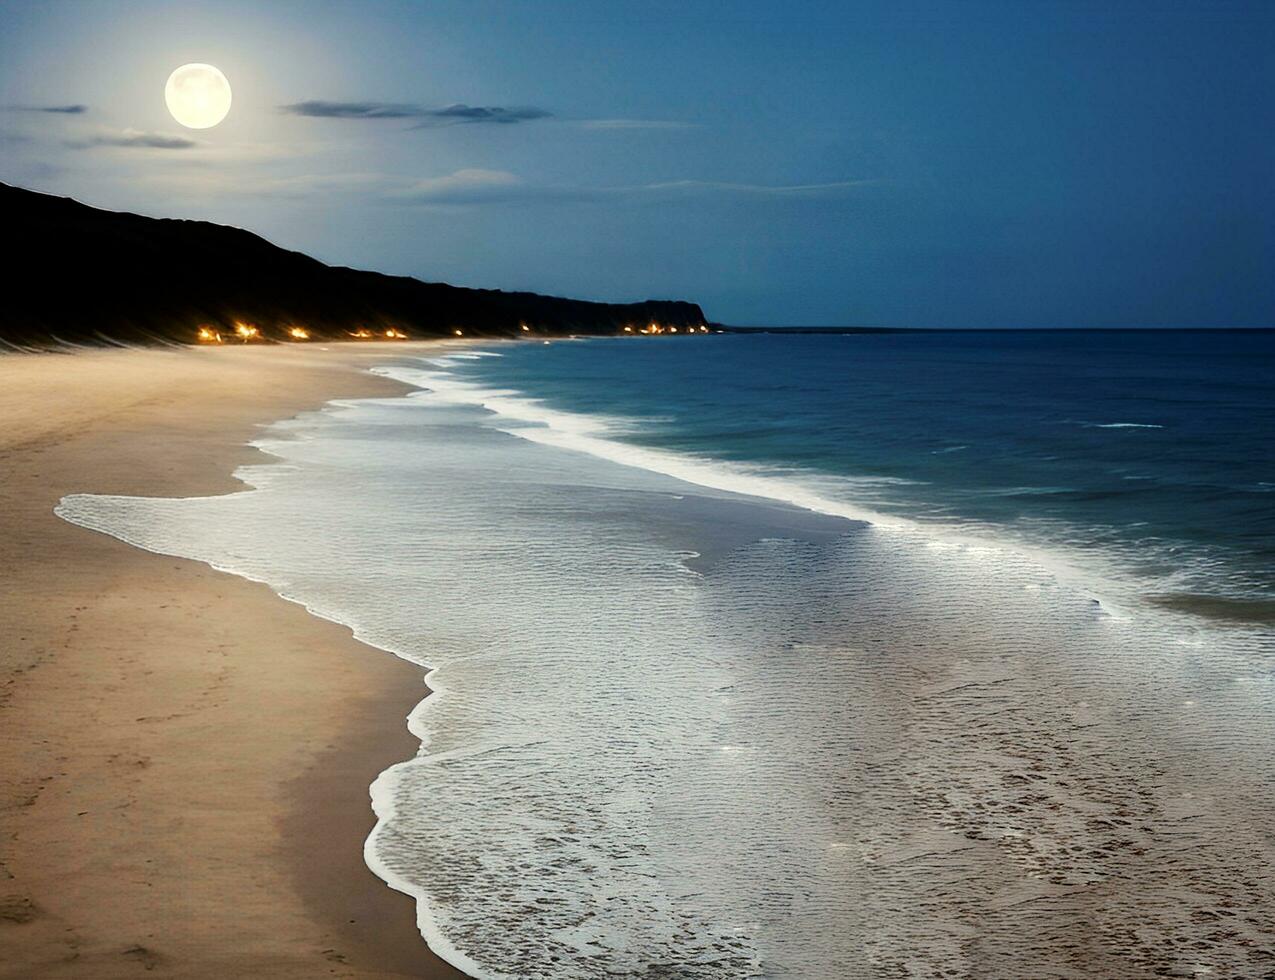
(905, 164)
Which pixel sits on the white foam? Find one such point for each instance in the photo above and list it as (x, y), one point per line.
(508, 403)
(596, 436)
(1112, 425)
(759, 770)
(589, 434)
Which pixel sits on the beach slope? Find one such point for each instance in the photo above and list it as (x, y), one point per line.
(184, 757)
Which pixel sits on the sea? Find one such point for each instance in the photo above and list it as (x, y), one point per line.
(802, 655)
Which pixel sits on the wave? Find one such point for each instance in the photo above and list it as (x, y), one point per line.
(1095, 576)
(589, 434)
(506, 402)
(1112, 425)
(1123, 576)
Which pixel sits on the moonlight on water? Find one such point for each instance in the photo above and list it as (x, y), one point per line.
(198, 96)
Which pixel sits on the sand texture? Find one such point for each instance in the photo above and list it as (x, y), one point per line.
(185, 755)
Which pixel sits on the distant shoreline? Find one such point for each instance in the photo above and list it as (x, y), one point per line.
(723, 328)
(157, 280)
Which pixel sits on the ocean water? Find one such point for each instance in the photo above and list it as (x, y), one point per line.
(817, 656)
(1144, 455)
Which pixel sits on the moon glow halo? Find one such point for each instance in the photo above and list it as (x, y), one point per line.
(198, 96)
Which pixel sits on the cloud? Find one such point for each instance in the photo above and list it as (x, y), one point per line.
(485, 114)
(475, 187)
(470, 186)
(351, 110)
(65, 110)
(499, 186)
(135, 138)
(447, 115)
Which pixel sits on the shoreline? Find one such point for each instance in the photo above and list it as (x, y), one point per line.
(161, 814)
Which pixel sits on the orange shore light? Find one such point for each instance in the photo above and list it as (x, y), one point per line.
(298, 333)
(207, 335)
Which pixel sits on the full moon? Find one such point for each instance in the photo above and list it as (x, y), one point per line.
(198, 96)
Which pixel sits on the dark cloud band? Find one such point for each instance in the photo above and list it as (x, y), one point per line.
(351, 110)
(486, 114)
(458, 113)
(130, 138)
(64, 110)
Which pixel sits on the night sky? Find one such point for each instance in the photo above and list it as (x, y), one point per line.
(965, 164)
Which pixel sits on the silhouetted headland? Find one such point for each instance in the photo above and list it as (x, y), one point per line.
(82, 274)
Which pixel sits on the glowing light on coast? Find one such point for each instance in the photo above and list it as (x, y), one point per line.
(703, 329)
(673, 329)
(457, 333)
(361, 334)
(247, 331)
(299, 333)
(207, 335)
(198, 96)
(628, 329)
(393, 334)
(524, 327)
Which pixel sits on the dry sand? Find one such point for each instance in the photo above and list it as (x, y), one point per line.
(184, 757)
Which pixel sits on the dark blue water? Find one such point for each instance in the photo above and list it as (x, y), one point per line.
(1151, 452)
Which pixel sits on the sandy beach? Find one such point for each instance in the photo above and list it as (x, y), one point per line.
(186, 756)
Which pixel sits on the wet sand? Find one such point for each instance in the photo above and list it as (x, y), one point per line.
(184, 757)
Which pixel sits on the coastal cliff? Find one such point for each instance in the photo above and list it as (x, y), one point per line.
(82, 274)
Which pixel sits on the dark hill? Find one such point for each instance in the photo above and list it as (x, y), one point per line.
(78, 273)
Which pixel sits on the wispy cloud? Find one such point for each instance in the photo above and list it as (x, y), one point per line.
(484, 114)
(499, 186)
(475, 187)
(65, 110)
(426, 116)
(460, 187)
(135, 138)
(351, 110)
(469, 186)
